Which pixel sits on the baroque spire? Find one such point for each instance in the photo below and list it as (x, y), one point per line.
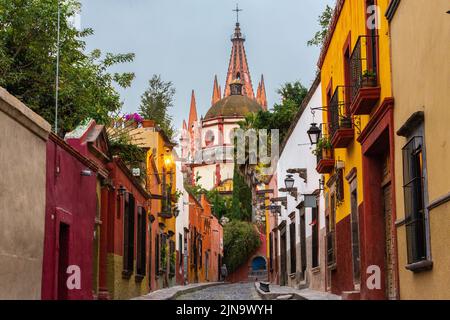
(216, 96)
(192, 111)
(238, 66)
(261, 97)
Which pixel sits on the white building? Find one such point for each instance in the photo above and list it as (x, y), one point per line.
(299, 231)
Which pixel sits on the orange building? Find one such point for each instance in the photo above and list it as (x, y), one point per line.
(205, 242)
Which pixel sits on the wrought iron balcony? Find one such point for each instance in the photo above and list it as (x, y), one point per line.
(341, 127)
(324, 153)
(365, 89)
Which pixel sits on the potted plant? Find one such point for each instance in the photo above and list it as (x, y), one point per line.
(345, 122)
(369, 78)
(148, 123)
(323, 147)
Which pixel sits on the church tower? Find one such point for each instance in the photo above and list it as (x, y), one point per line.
(211, 146)
(238, 66)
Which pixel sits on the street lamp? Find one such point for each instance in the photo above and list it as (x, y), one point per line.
(314, 133)
(289, 182)
(274, 209)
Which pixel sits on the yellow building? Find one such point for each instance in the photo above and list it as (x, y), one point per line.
(161, 183)
(421, 82)
(355, 151)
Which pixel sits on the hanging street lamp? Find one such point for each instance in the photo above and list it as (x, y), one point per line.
(314, 133)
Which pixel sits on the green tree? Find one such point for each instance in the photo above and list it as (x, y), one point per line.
(156, 101)
(241, 204)
(28, 46)
(221, 204)
(240, 241)
(324, 22)
(282, 114)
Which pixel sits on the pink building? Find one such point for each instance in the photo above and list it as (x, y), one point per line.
(71, 207)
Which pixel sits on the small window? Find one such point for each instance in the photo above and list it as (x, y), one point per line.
(141, 242)
(172, 258)
(292, 244)
(158, 254)
(209, 138)
(315, 237)
(128, 234)
(413, 190)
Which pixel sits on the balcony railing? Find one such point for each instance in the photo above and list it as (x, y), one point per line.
(363, 64)
(325, 161)
(338, 112)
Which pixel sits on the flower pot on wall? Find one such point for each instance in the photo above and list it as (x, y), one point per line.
(327, 154)
(148, 123)
(345, 123)
(369, 82)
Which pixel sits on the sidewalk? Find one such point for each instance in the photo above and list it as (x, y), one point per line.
(288, 293)
(173, 292)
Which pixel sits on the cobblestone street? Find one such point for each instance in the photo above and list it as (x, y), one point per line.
(236, 291)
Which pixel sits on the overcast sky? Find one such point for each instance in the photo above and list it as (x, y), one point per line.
(188, 42)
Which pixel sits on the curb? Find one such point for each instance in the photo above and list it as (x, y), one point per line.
(183, 290)
(274, 296)
(306, 295)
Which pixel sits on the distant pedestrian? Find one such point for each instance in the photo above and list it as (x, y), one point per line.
(224, 272)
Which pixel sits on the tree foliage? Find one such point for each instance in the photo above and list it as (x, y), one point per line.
(324, 22)
(240, 241)
(156, 102)
(282, 114)
(241, 203)
(220, 204)
(28, 47)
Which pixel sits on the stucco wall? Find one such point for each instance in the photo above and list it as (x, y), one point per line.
(297, 153)
(421, 82)
(23, 137)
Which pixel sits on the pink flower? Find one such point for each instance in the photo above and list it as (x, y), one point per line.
(133, 117)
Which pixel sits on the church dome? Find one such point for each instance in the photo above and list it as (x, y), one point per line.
(233, 106)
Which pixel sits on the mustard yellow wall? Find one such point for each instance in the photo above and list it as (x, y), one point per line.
(421, 82)
(353, 19)
(154, 141)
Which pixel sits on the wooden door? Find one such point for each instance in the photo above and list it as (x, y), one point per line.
(283, 271)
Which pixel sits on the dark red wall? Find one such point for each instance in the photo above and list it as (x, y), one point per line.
(342, 276)
(71, 199)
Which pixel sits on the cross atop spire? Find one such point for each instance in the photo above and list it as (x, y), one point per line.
(237, 10)
(238, 63)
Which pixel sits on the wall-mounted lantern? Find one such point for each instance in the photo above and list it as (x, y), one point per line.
(314, 133)
(289, 181)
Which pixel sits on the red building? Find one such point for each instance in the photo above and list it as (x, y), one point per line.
(90, 139)
(71, 207)
(127, 236)
(124, 250)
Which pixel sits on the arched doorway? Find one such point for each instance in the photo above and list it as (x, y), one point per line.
(259, 264)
